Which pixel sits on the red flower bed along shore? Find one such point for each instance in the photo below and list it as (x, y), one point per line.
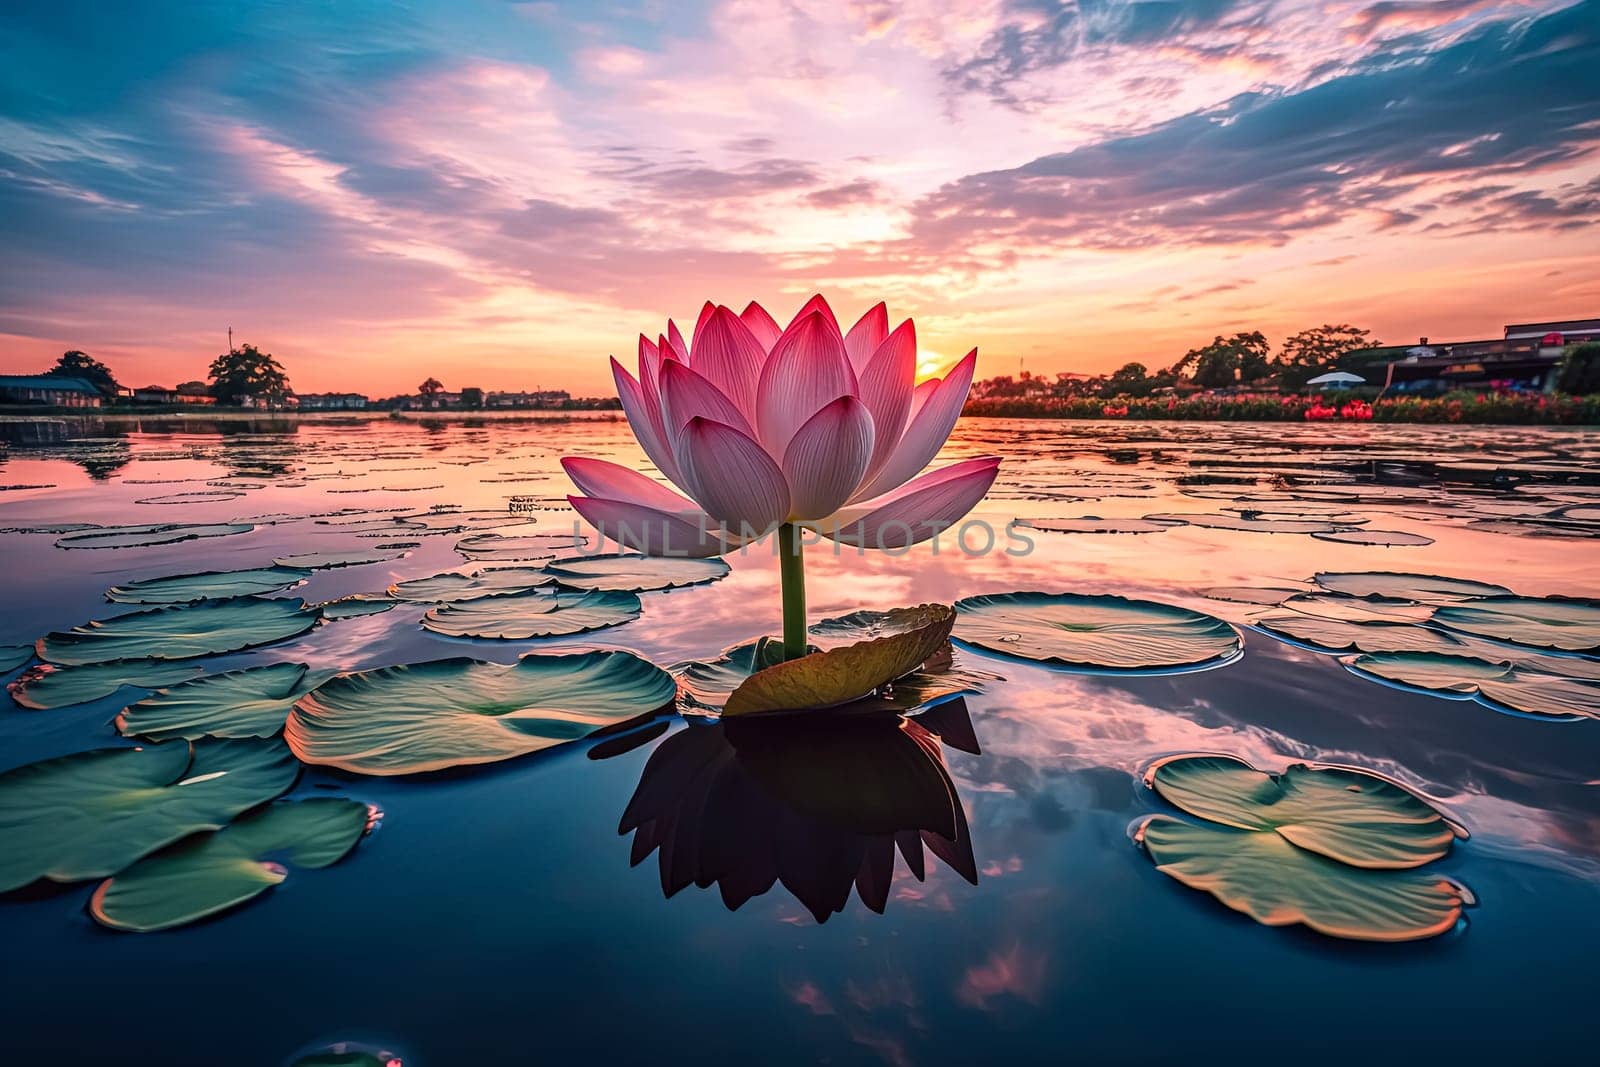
(1509, 408)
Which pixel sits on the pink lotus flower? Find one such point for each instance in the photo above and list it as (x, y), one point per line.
(763, 427)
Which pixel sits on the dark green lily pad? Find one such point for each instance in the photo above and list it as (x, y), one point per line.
(355, 607)
(1555, 623)
(91, 814)
(208, 585)
(450, 587)
(47, 686)
(1428, 588)
(159, 533)
(181, 631)
(1277, 884)
(1096, 633)
(14, 656)
(355, 557)
(1503, 686)
(1356, 818)
(838, 676)
(454, 712)
(253, 702)
(215, 872)
(519, 616)
(634, 573)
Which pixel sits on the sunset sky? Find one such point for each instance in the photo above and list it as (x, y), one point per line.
(503, 194)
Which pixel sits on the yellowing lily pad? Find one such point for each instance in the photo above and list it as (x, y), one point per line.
(454, 712)
(1503, 686)
(253, 702)
(1096, 633)
(181, 631)
(91, 814)
(212, 873)
(841, 675)
(208, 585)
(1276, 884)
(1554, 623)
(634, 573)
(519, 616)
(1356, 818)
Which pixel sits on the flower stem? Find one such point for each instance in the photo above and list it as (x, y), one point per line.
(791, 567)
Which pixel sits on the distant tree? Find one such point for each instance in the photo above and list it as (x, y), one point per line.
(431, 386)
(1226, 360)
(193, 389)
(77, 364)
(1131, 379)
(472, 397)
(247, 372)
(1311, 352)
(1579, 373)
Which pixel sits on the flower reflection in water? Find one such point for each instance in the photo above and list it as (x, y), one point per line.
(819, 803)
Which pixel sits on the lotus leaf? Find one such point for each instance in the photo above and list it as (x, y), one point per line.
(47, 686)
(450, 587)
(209, 585)
(1402, 586)
(318, 561)
(253, 702)
(1505, 686)
(355, 607)
(14, 656)
(159, 533)
(91, 814)
(454, 712)
(214, 872)
(519, 616)
(180, 631)
(634, 573)
(1554, 623)
(1096, 633)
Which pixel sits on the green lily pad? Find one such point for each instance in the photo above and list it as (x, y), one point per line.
(1262, 596)
(47, 686)
(841, 675)
(91, 814)
(1555, 623)
(355, 557)
(491, 546)
(1358, 608)
(450, 587)
(1504, 686)
(634, 573)
(253, 702)
(1096, 633)
(14, 656)
(1378, 538)
(209, 585)
(454, 712)
(157, 533)
(709, 683)
(181, 631)
(355, 607)
(1337, 636)
(1402, 586)
(1356, 818)
(214, 872)
(518, 616)
(1277, 884)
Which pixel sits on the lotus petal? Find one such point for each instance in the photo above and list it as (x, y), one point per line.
(732, 477)
(927, 432)
(686, 396)
(763, 327)
(886, 388)
(917, 511)
(652, 531)
(643, 411)
(729, 356)
(807, 369)
(455, 712)
(866, 335)
(826, 458)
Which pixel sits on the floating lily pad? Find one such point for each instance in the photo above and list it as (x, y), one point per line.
(1503, 686)
(48, 686)
(215, 872)
(1358, 608)
(634, 573)
(91, 814)
(181, 631)
(1264, 596)
(1277, 884)
(1096, 633)
(488, 547)
(840, 675)
(709, 683)
(519, 616)
(139, 536)
(1335, 636)
(450, 587)
(1555, 623)
(355, 607)
(14, 656)
(1243, 523)
(253, 702)
(454, 712)
(354, 557)
(1350, 816)
(209, 585)
(1093, 524)
(1401, 586)
(1378, 538)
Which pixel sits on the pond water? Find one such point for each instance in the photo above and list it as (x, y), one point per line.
(493, 916)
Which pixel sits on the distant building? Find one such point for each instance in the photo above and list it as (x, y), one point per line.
(542, 398)
(184, 394)
(332, 401)
(439, 401)
(48, 389)
(1525, 359)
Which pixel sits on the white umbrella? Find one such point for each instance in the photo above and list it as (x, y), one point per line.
(1337, 377)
